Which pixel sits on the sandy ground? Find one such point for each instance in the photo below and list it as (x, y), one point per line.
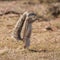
(45, 44)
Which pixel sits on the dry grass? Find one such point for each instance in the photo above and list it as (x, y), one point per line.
(45, 45)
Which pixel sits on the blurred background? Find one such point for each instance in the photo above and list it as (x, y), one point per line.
(45, 37)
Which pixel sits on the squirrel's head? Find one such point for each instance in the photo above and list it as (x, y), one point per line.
(32, 15)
